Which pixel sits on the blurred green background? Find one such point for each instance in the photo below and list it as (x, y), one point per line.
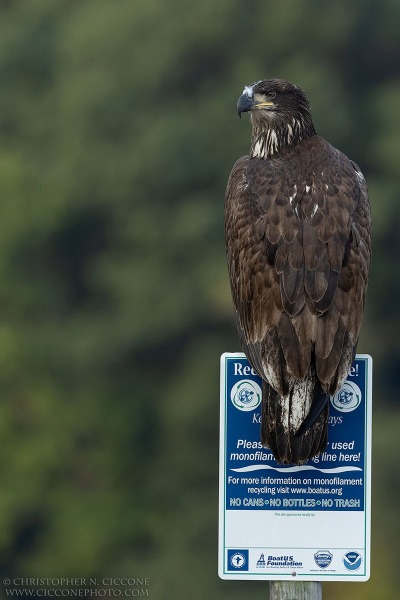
(118, 130)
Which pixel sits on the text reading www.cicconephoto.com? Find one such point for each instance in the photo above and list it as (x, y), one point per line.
(76, 587)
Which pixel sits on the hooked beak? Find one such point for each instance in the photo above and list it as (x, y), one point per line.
(246, 103)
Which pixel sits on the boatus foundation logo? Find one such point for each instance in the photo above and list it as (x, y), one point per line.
(348, 398)
(323, 558)
(246, 395)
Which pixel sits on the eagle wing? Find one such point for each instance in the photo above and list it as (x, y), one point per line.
(298, 248)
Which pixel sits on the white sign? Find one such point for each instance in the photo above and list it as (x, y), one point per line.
(310, 522)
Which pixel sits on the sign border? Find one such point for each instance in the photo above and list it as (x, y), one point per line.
(364, 575)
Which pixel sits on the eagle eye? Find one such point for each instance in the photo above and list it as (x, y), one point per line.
(271, 94)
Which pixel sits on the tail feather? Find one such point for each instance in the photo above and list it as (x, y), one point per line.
(295, 427)
(319, 402)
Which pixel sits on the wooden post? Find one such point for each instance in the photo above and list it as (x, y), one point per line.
(295, 590)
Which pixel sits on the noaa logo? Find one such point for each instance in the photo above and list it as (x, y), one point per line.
(246, 395)
(352, 560)
(323, 558)
(348, 398)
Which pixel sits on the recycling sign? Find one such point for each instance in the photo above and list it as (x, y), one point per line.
(308, 522)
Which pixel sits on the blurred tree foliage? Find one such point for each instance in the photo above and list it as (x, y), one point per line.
(117, 134)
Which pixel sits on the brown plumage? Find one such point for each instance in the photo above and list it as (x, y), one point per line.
(297, 226)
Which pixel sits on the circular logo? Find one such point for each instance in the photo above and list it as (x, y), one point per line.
(246, 395)
(238, 560)
(352, 560)
(348, 398)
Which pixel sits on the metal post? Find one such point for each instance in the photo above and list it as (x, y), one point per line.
(295, 590)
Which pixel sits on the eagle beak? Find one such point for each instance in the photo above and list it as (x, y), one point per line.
(245, 103)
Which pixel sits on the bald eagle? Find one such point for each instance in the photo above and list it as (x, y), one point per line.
(298, 239)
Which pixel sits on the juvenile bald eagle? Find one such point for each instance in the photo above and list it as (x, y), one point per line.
(297, 226)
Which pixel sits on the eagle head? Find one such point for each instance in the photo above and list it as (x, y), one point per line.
(280, 106)
(271, 96)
